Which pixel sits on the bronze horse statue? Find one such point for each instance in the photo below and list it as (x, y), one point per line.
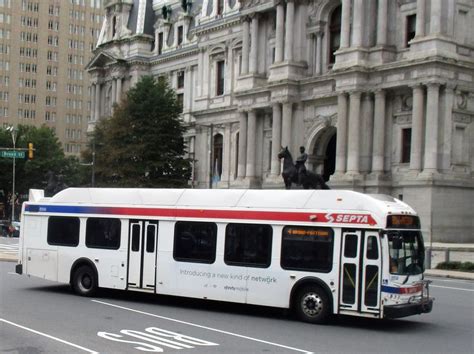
(310, 180)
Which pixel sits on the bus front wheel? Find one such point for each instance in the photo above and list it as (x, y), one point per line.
(312, 304)
(84, 281)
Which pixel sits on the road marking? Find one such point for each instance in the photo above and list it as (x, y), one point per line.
(49, 336)
(203, 327)
(449, 287)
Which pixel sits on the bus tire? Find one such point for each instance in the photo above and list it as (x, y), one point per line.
(84, 281)
(312, 304)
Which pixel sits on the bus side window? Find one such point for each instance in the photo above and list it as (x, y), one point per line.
(63, 231)
(248, 245)
(195, 242)
(307, 248)
(103, 233)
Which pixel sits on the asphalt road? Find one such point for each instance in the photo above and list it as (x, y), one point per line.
(39, 316)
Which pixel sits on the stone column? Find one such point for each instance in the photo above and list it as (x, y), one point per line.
(367, 123)
(357, 23)
(417, 128)
(188, 89)
(290, 16)
(420, 18)
(253, 67)
(226, 154)
(286, 124)
(341, 142)
(431, 130)
(448, 125)
(245, 46)
(114, 93)
(200, 71)
(319, 56)
(242, 145)
(382, 22)
(353, 143)
(118, 97)
(280, 30)
(276, 139)
(435, 27)
(93, 88)
(251, 143)
(97, 102)
(379, 133)
(345, 23)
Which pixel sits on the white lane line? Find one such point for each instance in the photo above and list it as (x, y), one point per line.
(204, 327)
(48, 336)
(449, 287)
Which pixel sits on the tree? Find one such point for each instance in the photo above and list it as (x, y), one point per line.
(48, 158)
(142, 144)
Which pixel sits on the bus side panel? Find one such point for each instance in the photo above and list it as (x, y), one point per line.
(215, 281)
(40, 259)
(110, 263)
(270, 286)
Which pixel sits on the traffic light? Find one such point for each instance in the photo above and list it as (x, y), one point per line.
(30, 151)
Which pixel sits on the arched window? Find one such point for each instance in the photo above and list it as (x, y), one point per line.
(334, 33)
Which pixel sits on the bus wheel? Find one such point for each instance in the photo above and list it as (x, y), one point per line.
(312, 304)
(84, 281)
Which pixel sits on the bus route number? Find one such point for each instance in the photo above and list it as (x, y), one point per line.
(153, 339)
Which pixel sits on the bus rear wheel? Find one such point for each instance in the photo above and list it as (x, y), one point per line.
(84, 281)
(312, 304)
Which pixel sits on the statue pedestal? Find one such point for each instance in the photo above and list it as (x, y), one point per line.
(273, 182)
(247, 183)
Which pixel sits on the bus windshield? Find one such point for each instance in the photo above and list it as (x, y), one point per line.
(406, 252)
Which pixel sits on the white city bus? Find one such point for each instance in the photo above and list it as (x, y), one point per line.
(316, 252)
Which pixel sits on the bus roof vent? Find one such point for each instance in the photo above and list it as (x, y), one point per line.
(35, 195)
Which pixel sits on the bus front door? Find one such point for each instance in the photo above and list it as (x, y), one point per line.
(143, 237)
(360, 272)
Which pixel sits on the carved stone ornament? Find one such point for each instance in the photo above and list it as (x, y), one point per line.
(461, 100)
(407, 103)
(247, 4)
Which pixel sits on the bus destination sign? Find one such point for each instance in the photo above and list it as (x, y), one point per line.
(403, 222)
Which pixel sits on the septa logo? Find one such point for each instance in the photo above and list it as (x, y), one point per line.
(350, 219)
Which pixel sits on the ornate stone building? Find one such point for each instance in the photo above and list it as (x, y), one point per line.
(379, 92)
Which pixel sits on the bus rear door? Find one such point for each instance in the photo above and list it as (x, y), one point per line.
(143, 237)
(360, 272)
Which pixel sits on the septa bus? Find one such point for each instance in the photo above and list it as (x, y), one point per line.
(317, 252)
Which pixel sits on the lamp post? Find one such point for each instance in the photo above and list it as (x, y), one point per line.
(13, 131)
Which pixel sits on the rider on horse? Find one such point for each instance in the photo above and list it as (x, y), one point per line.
(300, 165)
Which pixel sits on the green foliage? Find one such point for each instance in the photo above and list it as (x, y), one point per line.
(460, 266)
(32, 174)
(142, 144)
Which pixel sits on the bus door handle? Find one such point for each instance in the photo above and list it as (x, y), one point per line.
(292, 276)
(96, 260)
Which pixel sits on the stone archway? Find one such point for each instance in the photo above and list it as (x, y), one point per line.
(322, 151)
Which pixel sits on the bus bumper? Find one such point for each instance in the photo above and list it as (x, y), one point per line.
(19, 269)
(404, 310)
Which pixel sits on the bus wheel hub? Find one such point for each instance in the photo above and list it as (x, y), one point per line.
(312, 304)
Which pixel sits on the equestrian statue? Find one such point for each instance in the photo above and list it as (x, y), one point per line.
(297, 173)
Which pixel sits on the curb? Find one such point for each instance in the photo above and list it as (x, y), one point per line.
(451, 275)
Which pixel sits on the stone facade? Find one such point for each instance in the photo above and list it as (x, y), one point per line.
(380, 93)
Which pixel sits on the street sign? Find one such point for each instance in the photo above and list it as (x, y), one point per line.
(12, 154)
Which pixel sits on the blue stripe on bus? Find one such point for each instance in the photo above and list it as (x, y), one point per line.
(391, 289)
(65, 209)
